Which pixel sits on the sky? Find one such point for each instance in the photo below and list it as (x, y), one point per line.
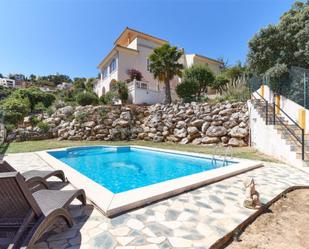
(71, 37)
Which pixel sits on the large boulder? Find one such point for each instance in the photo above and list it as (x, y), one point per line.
(197, 123)
(216, 131)
(210, 140)
(180, 133)
(238, 132)
(236, 142)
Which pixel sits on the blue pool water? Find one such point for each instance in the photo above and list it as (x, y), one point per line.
(125, 168)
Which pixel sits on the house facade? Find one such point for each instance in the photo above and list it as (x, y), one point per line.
(131, 51)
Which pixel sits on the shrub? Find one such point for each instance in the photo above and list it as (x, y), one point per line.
(15, 109)
(87, 98)
(121, 89)
(39, 107)
(239, 92)
(187, 90)
(43, 126)
(108, 98)
(103, 113)
(201, 75)
(278, 76)
(81, 116)
(34, 120)
(35, 96)
(134, 74)
(220, 83)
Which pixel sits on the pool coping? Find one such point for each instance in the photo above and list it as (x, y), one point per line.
(113, 204)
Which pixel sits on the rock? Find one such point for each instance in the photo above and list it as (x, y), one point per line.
(88, 124)
(236, 142)
(216, 131)
(181, 124)
(224, 139)
(205, 126)
(210, 140)
(197, 141)
(67, 110)
(226, 112)
(180, 133)
(197, 123)
(184, 141)
(158, 138)
(192, 130)
(238, 132)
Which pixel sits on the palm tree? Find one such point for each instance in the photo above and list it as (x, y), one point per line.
(164, 66)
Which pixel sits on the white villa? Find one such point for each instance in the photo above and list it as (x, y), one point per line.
(131, 51)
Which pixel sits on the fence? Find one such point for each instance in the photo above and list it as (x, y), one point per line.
(294, 85)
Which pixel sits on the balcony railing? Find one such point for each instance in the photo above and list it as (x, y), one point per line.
(142, 85)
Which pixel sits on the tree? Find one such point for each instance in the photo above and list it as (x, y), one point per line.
(87, 98)
(15, 109)
(285, 43)
(220, 83)
(187, 90)
(164, 66)
(1, 75)
(201, 75)
(134, 74)
(32, 78)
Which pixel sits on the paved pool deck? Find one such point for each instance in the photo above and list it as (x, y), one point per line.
(195, 219)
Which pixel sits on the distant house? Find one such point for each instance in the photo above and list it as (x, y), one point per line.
(64, 86)
(6, 82)
(131, 51)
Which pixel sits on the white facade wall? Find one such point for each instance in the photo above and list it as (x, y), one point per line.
(141, 49)
(266, 139)
(103, 85)
(5, 82)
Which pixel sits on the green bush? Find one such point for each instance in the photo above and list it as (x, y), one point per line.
(81, 116)
(187, 90)
(34, 120)
(201, 75)
(121, 91)
(15, 109)
(108, 98)
(39, 107)
(87, 98)
(220, 83)
(43, 126)
(35, 96)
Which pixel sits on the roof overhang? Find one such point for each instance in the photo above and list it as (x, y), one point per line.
(114, 51)
(207, 59)
(128, 35)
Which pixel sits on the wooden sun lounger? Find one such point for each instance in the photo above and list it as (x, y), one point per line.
(25, 217)
(34, 177)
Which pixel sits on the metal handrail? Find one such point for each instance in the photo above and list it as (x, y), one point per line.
(301, 139)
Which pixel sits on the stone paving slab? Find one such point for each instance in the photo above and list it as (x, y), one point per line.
(195, 219)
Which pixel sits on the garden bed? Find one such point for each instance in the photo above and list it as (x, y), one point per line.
(284, 225)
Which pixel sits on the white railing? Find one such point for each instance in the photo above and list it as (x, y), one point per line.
(143, 85)
(143, 92)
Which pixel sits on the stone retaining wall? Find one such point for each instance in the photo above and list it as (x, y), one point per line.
(196, 123)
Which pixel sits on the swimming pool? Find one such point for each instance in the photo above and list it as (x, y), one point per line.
(118, 179)
(125, 168)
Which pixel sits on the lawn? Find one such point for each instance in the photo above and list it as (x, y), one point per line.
(30, 146)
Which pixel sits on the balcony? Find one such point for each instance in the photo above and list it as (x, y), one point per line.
(143, 92)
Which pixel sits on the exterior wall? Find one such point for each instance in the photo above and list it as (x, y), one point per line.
(105, 83)
(261, 135)
(7, 82)
(212, 66)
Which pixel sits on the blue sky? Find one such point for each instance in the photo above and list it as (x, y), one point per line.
(73, 36)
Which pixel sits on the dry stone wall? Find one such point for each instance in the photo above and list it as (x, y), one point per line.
(195, 123)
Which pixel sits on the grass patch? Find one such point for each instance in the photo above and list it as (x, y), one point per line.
(244, 152)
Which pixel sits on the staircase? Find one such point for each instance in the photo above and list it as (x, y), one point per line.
(285, 136)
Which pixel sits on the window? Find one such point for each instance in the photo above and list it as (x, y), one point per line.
(104, 73)
(148, 65)
(112, 66)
